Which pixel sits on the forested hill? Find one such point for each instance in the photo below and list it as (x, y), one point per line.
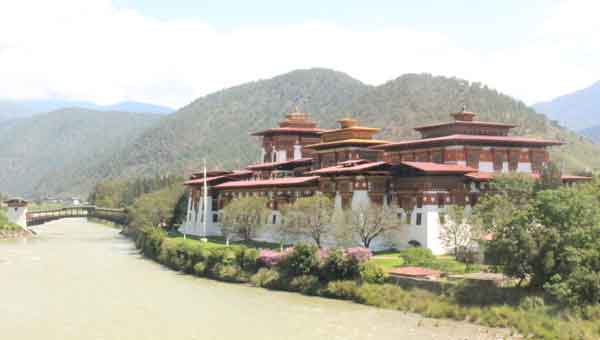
(39, 152)
(217, 126)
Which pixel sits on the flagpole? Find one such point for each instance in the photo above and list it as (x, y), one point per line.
(205, 207)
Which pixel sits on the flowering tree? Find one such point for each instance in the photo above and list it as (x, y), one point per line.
(369, 222)
(309, 217)
(456, 233)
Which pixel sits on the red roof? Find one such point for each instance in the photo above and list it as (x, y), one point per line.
(415, 272)
(201, 180)
(270, 165)
(286, 181)
(440, 168)
(470, 139)
(347, 168)
(473, 123)
(226, 175)
(300, 130)
(481, 176)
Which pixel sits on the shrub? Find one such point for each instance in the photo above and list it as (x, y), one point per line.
(302, 260)
(346, 290)
(248, 259)
(305, 284)
(337, 265)
(417, 256)
(371, 273)
(359, 254)
(200, 268)
(269, 258)
(532, 303)
(267, 278)
(229, 273)
(220, 256)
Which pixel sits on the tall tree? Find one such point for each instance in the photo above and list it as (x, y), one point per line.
(370, 221)
(244, 217)
(457, 233)
(309, 217)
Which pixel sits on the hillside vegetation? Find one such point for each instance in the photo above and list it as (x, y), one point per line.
(217, 126)
(41, 152)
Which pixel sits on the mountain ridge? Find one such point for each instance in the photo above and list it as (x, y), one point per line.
(577, 110)
(16, 109)
(217, 126)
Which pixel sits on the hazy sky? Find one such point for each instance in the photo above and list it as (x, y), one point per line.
(171, 52)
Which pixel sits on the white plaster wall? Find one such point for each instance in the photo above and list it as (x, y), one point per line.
(194, 225)
(504, 166)
(18, 216)
(337, 202)
(281, 155)
(486, 166)
(360, 198)
(524, 167)
(297, 151)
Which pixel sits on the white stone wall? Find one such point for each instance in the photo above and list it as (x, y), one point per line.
(18, 216)
(194, 219)
(524, 167)
(486, 166)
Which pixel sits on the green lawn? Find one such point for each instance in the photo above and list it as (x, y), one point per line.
(390, 259)
(219, 241)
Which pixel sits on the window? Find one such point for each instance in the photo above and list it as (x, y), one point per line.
(215, 218)
(274, 219)
(419, 218)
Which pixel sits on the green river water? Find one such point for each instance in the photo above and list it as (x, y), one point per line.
(83, 281)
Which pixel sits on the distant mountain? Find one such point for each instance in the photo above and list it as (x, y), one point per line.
(217, 126)
(48, 147)
(12, 109)
(592, 133)
(578, 110)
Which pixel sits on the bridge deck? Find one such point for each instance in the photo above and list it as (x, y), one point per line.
(113, 215)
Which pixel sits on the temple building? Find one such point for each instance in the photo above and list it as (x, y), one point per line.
(450, 164)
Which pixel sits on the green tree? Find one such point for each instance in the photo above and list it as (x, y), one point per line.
(154, 209)
(550, 177)
(309, 217)
(244, 217)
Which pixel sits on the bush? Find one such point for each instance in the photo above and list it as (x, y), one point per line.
(200, 268)
(532, 303)
(302, 260)
(269, 258)
(305, 284)
(346, 290)
(337, 265)
(220, 256)
(417, 256)
(247, 259)
(371, 273)
(267, 278)
(359, 254)
(229, 273)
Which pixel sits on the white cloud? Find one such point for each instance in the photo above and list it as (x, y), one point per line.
(91, 50)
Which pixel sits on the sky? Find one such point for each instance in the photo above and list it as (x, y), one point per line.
(172, 52)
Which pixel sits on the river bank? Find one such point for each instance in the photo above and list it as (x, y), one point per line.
(14, 233)
(103, 289)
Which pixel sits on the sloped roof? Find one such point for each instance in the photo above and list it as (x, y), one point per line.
(286, 181)
(440, 168)
(261, 166)
(347, 168)
(470, 139)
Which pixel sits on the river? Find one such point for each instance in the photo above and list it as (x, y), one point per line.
(80, 280)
